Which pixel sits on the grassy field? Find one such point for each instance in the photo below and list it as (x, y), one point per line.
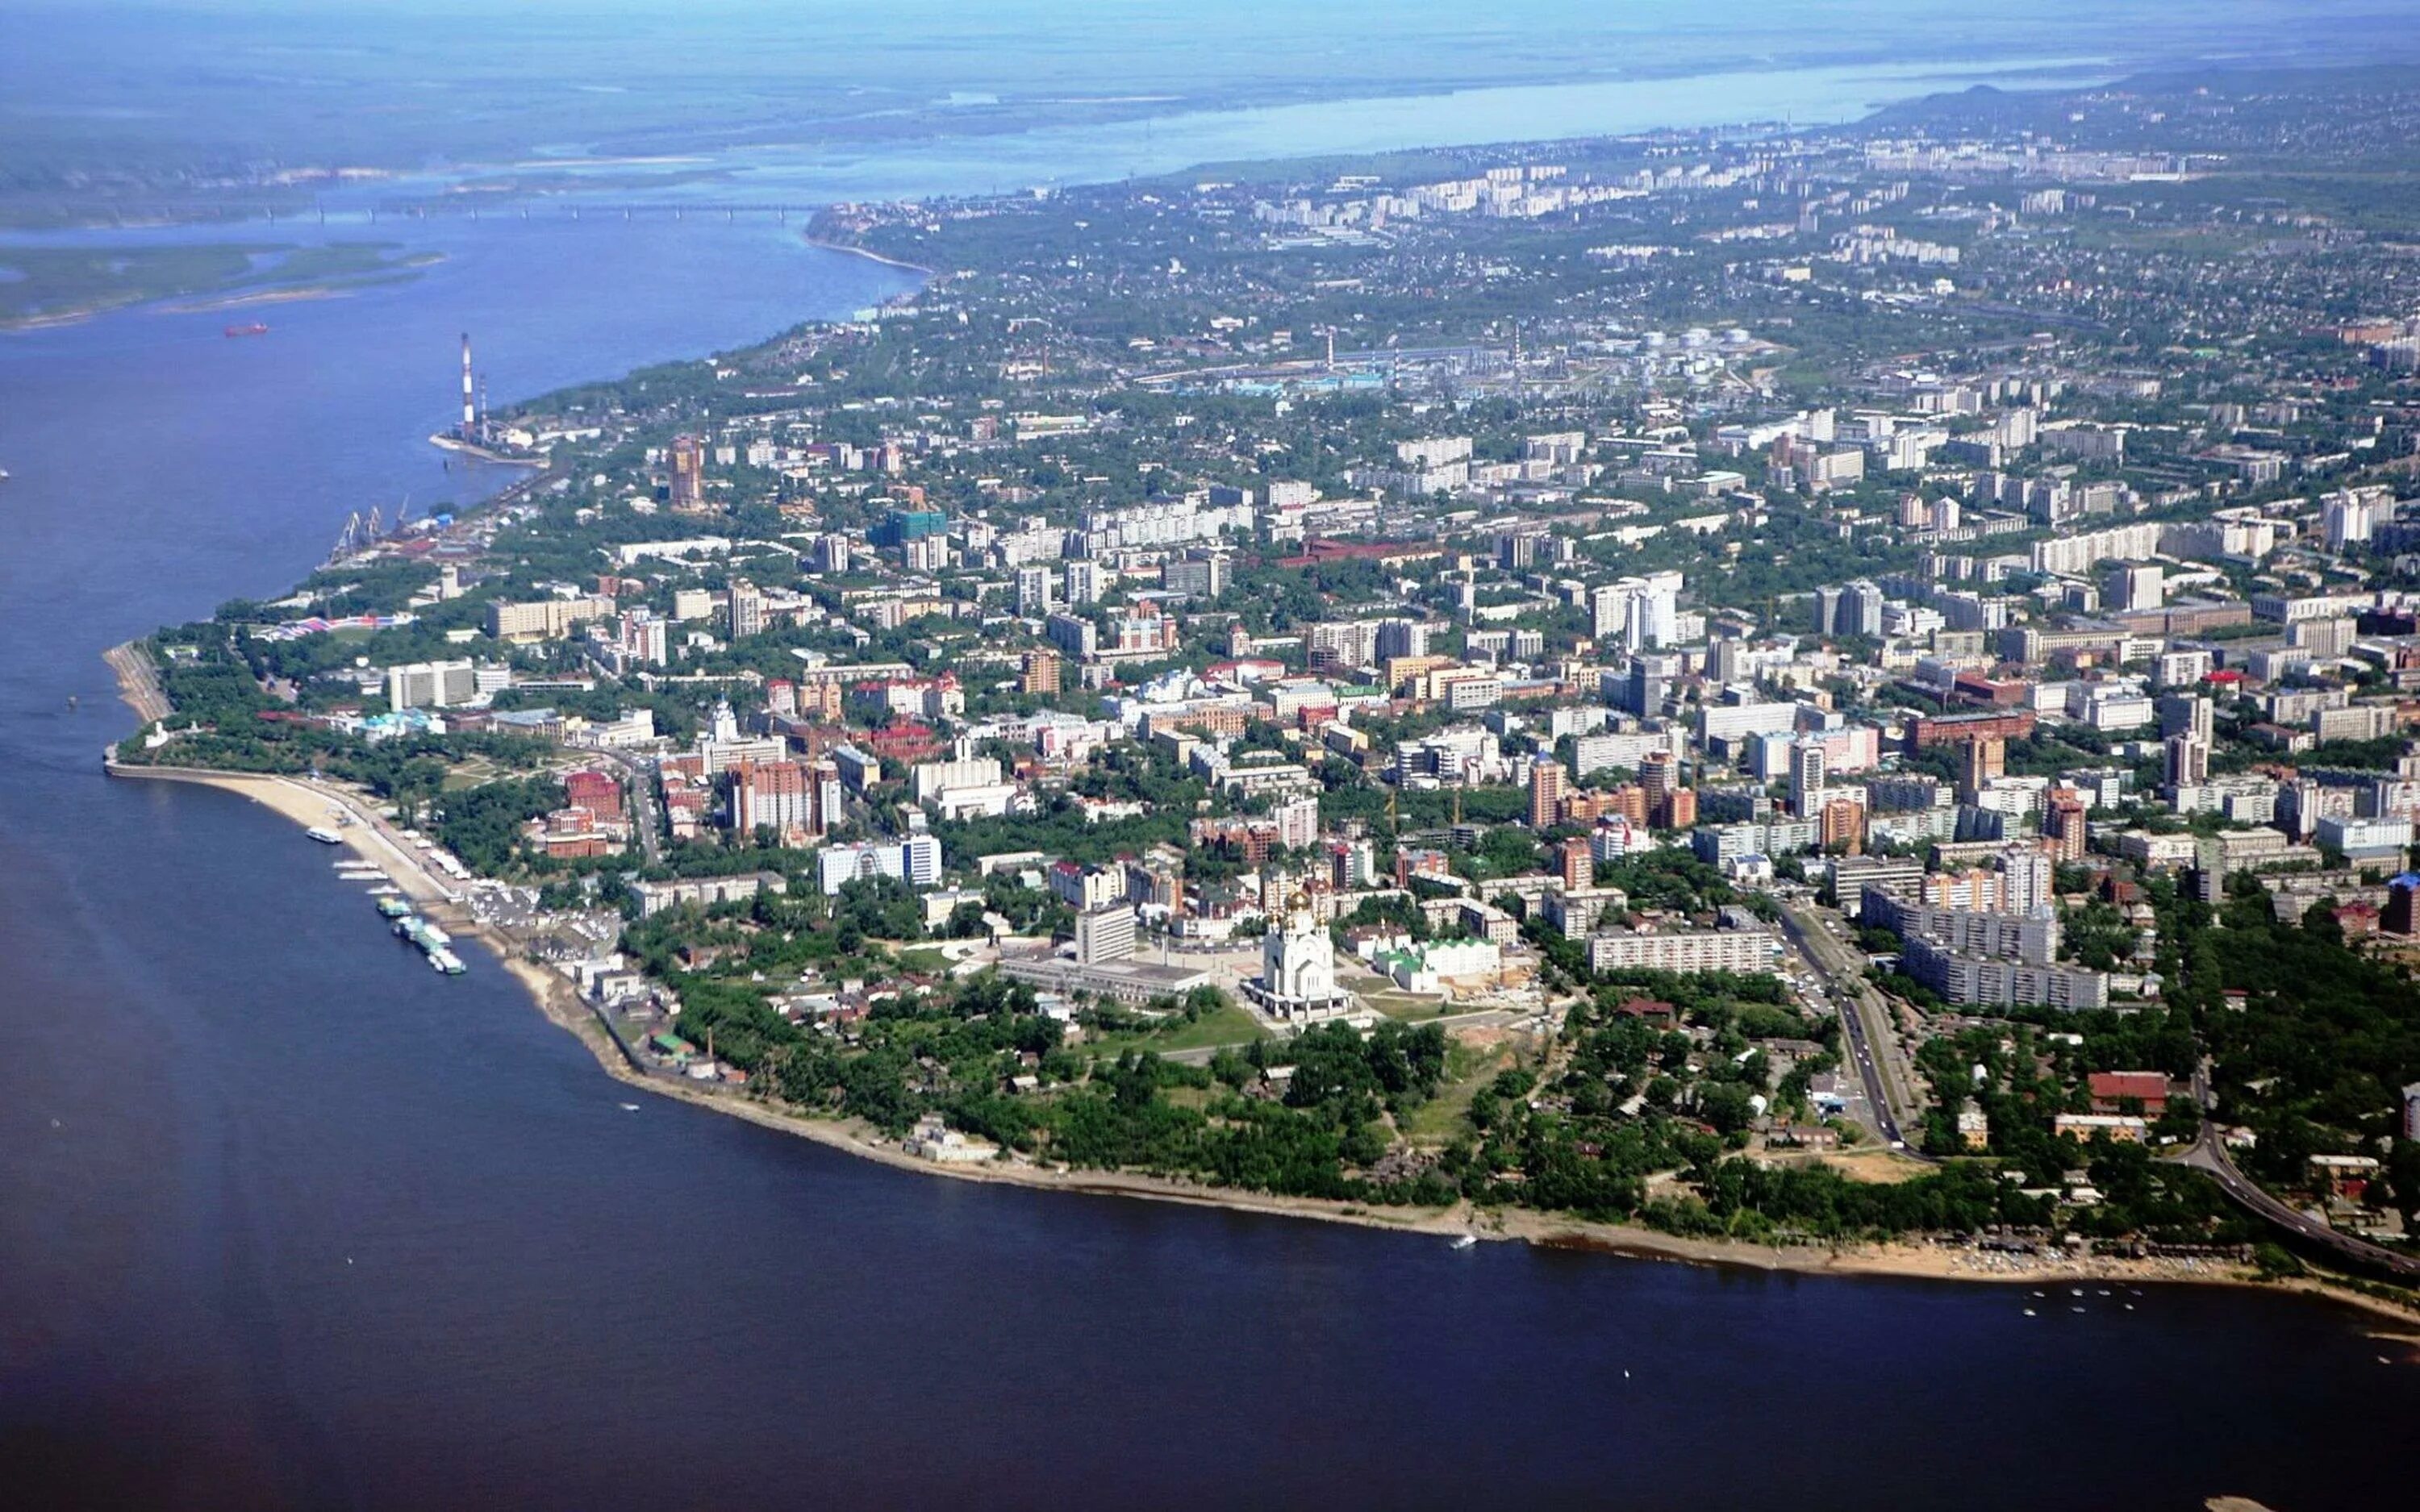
(474, 771)
(1875, 1164)
(1468, 1068)
(1411, 1008)
(1379, 995)
(1228, 1025)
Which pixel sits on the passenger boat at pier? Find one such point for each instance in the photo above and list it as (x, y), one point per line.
(433, 943)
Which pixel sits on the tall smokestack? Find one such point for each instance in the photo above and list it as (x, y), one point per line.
(470, 415)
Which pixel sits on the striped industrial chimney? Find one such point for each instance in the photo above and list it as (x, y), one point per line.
(470, 415)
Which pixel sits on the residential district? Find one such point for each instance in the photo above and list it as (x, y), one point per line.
(1780, 685)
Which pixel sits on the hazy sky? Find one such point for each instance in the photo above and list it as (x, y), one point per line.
(85, 85)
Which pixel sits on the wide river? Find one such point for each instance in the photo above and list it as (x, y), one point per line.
(286, 1220)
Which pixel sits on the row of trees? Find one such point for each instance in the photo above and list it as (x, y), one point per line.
(957, 1052)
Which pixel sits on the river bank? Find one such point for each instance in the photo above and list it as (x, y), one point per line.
(299, 295)
(318, 804)
(481, 454)
(75, 314)
(1898, 1260)
(851, 250)
(309, 802)
(138, 682)
(206, 301)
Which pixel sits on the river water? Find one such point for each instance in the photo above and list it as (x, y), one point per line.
(288, 1221)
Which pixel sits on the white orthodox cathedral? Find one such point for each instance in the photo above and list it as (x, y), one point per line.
(1298, 977)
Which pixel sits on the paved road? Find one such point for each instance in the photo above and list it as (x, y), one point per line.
(2209, 1154)
(1862, 1016)
(642, 803)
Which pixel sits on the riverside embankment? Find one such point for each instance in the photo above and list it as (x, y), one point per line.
(318, 802)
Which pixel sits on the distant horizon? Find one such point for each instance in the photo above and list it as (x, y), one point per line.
(785, 57)
(98, 102)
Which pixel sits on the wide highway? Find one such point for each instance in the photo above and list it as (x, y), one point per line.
(1860, 1014)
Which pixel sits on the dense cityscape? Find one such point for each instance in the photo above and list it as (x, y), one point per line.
(1793, 688)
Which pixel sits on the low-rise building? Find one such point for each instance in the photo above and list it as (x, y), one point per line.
(654, 897)
(2085, 1127)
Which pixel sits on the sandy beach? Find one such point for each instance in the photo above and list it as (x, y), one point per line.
(241, 302)
(77, 315)
(323, 804)
(73, 316)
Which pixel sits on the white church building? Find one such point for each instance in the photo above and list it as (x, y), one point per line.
(1297, 977)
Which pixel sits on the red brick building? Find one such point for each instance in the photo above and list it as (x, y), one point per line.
(600, 793)
(1951, 729)
(2110, 1089)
